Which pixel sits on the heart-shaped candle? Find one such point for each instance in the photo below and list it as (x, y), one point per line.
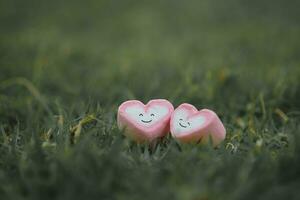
(190, 125)
(145, 122)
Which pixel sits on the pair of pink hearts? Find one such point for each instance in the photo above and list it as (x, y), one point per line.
(156, 119)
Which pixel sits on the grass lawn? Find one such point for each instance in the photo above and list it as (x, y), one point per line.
(66, 66)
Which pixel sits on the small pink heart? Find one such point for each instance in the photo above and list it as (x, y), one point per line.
(145, 122)
(190, 125)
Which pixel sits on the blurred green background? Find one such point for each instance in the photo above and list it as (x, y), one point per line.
(65, 66)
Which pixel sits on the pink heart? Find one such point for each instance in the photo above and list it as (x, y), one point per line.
(190, 125)
(145, 122)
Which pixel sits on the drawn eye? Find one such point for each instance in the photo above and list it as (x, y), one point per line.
(152, 115)
(189, 123)
(141, 115)
(180, 119)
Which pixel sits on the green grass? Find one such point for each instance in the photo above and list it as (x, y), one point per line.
(66, 66)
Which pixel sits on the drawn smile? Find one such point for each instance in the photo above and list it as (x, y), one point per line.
(182, 125)
(147, 121)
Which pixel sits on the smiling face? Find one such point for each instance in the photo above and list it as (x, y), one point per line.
(146, 117)
(145, 122)
(190, 125)
(182, 122)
